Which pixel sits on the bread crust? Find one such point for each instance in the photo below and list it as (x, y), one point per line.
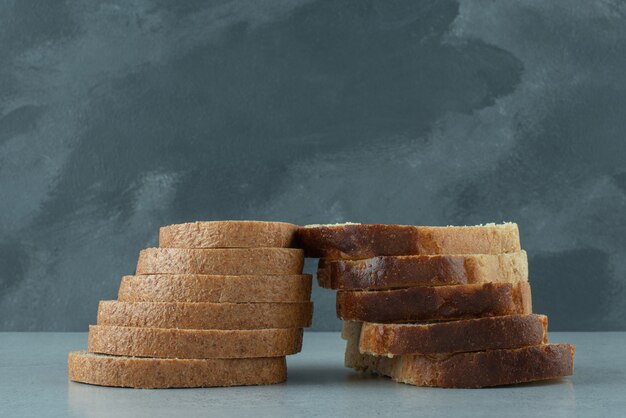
(389, 272)
(216, 289)
(499, 332)
(435, 303)
(205, 315)
(465, 370)
(231, 261)
(189, 344)
(356, 241)
(155, 373)
(227, 234)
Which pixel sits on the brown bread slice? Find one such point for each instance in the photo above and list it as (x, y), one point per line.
(371, 240)
(231, 261)
(206, 288)
(422, 270)
(498, 332)
(205, 315)
(227, 234)
(154, 373)
(435, 303)
(187, 343)
(465, 370)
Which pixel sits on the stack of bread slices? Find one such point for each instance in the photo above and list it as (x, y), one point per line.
(217, 304)
(436, 306)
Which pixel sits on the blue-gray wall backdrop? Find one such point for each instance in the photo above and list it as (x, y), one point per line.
(119, 116)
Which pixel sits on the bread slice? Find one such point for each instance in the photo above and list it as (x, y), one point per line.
(231, 261)
(435, 303)
(206, 288)
(371, 240)
(498, 332)
(227, 234)
(391, 272)
(465, 370)
(146, 373)
(205, 315)
(186, 343)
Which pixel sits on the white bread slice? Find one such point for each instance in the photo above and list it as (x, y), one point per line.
(389, 272)
(354, 241)
(464, 370)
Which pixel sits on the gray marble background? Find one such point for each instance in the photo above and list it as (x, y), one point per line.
(117, 117)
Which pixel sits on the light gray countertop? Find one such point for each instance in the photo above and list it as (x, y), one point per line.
(33, 382)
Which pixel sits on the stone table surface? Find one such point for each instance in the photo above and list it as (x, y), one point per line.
(33, 382)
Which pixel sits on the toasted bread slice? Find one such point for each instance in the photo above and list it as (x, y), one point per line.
(354, 241)
(390, 272)
(497, 332)
(146, 373)
(227, 234)
(188, 343)
(231, 261)
(205, 315)
(215, 289)
(435, 303)
(465, 370)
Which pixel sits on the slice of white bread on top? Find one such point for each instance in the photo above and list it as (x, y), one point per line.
(355, 241)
